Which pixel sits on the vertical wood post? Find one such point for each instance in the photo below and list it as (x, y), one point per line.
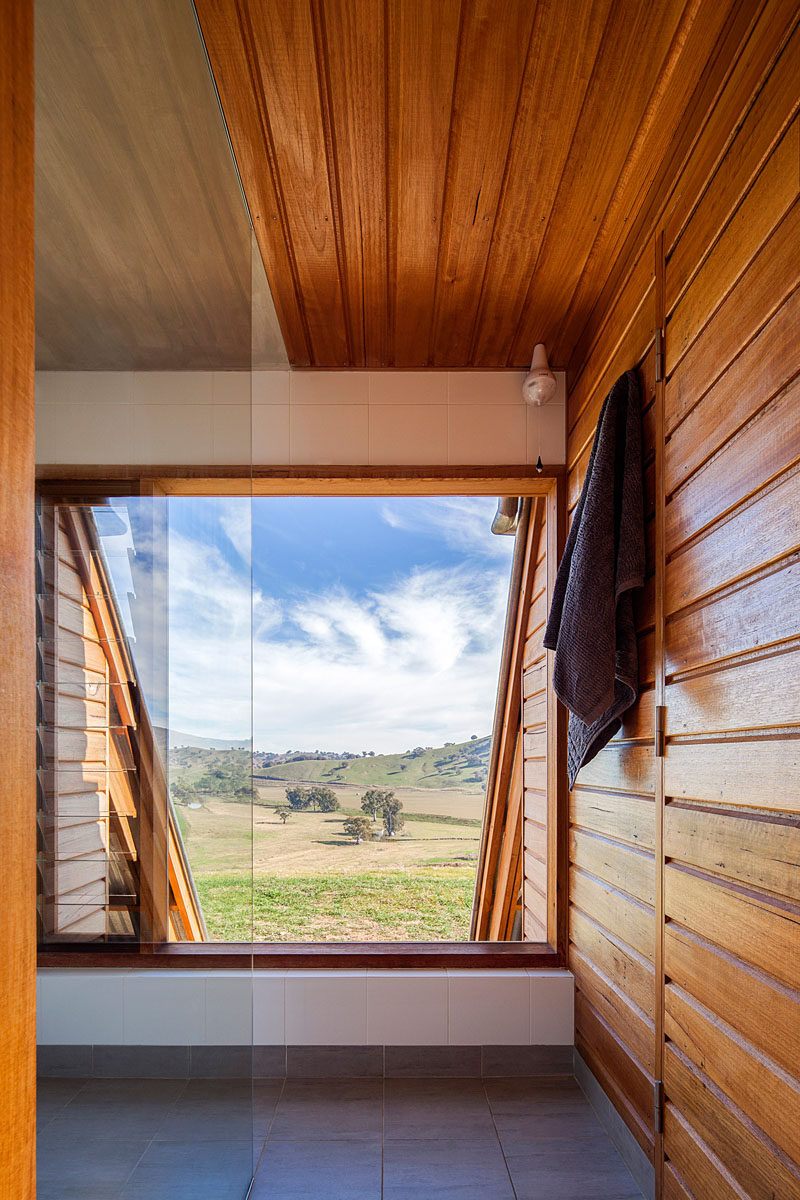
(17, 599)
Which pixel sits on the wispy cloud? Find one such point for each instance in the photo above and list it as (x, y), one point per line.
(412, 661)
(462, 522)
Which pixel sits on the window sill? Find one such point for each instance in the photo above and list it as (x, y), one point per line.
(304, 955)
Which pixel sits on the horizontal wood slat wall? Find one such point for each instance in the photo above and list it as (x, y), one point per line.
(718, 904)
(731, 836)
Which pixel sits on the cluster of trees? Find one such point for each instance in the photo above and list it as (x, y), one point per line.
(375, 803)
(317, 798)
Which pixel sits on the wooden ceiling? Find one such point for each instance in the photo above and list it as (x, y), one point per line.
(143, 243)
(447, 182)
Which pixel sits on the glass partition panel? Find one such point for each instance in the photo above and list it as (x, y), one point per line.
(145, 342)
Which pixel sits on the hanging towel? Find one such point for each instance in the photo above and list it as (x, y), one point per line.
(591, 626)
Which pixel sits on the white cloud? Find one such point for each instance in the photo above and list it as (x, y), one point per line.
(463, 522)
(414, 662)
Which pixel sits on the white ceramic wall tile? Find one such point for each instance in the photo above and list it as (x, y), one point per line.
(405, 1009)
(270, 387)
(80, 1008)
(173, 387)
(486, 434)
(408, 387)
(48, 447)
(53, 387)
(231, 433)
(92, 433)
(485, 387)
(164, 1010)
(488, 1008)
(552, 1009)
(230, 387)
(172, 433)
(408, 433)
(547, 434)
(329, 434)
(270, 424)
(268, 1008)
(329, 387)
(101, 387)
(326, 1009)
(229, 1010)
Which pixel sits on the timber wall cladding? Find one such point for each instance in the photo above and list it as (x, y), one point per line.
(718, 627)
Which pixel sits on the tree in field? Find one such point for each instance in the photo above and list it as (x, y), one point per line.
(358, 828)
(323, 799)
(283, 813)
(373, 800)
(299, 798)
(393, 819)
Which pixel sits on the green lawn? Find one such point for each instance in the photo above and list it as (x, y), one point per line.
(431, 904)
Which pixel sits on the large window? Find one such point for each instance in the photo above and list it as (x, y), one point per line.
(296, 689)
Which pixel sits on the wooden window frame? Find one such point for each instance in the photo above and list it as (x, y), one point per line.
(88, 484)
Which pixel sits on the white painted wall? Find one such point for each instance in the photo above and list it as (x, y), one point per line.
(305, 1008)
(305, 418)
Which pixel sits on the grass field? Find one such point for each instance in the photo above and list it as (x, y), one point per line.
(382, 906)
(311, 883)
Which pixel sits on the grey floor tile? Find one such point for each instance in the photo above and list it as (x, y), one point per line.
(97, 1163)
(437, 1108)
(445, 1168)
(221, 1062)
(72, 1061)
(142, 1062)
(519, 1130)
(207, 1123)
(334, 1062)
(312, 1170)
(130, 1091)
(82, 1190)
(588, 1169)
(544, 1090)
(432, 1061)
(152, 1184)
(326, 1109)
(208, 1158)
(191, 1171)
(526, 1060)
(52, 1095)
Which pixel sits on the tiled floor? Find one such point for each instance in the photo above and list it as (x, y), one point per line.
(325, 1139)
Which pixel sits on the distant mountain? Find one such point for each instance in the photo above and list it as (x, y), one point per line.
(176, 738)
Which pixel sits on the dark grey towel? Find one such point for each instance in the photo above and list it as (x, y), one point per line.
(591, 627)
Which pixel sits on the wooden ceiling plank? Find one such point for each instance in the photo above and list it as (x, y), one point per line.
(353, 36)
(565, 42)
(491, 64)
(701, 26)
(423, 42)
(616, 103)
(282, 118)
(288, 72)
(231, 58)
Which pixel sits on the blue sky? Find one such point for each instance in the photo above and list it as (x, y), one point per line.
(376, 622)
